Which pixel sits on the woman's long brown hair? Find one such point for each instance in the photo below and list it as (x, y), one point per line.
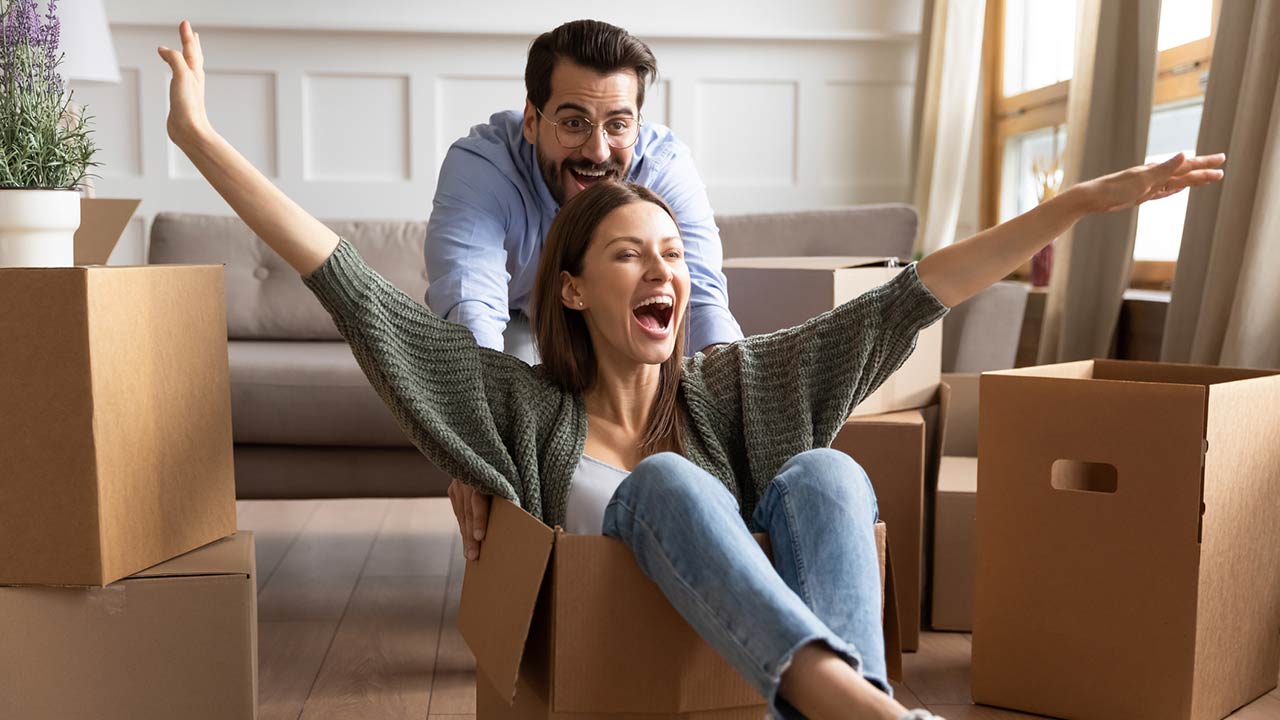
(561, 333)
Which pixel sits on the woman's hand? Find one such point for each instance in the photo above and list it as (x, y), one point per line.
(1132, 187)
(187, 117)
(471, 507)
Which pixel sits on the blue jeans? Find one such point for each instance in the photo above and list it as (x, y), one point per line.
(687, 534)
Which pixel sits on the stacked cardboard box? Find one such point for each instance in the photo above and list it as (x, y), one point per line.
(896, 432)
(955, 510)
(1127, 540)
(115, 444)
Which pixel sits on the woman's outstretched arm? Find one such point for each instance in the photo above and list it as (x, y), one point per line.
(300, 239)
(960, 271)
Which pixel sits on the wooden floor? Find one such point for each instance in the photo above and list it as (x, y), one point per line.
(356, 608)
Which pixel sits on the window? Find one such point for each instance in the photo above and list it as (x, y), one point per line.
(1029, 56)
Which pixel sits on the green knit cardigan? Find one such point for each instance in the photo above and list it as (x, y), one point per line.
(493, 422)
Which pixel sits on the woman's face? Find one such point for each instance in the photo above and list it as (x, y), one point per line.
(634, 285)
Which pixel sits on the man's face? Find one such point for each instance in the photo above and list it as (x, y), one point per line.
(577, 94)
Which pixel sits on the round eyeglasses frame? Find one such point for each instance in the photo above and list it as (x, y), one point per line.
(555, 124)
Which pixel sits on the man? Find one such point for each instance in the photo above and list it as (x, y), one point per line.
(501, 186)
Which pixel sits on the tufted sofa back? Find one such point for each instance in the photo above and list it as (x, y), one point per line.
(266, 299)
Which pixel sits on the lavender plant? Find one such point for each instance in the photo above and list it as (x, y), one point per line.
(44, 142)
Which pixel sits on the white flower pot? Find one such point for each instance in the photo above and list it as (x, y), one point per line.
(38, 227)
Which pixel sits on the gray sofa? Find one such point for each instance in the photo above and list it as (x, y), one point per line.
(305, 421)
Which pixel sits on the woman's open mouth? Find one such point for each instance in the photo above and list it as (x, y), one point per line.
(653, 315)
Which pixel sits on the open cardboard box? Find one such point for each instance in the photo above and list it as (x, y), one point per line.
(565, 625)
(115, 427)
(772, 293)
(1128, 542)
(178, 640)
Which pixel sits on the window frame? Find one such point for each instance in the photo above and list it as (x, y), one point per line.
(1181, 73)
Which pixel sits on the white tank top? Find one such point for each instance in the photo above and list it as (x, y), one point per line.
(594, 483)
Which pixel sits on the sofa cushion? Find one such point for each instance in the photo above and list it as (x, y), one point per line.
(265, 297)
(305, 393)
(866, 230)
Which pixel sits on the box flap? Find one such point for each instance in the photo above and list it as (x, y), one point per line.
(1238, 607)
(500, 592)
(1177, 373)
(229, 556)
(102, 220)
(816, 262)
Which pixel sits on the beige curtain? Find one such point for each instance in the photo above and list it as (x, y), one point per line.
(1226, 299)
(947, 83)
(1108, 112)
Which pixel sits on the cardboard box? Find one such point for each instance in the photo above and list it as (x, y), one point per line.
(954, 537)
(962, 415)
(567, 626)
(178, 640)
(891, 449)
(955, 515)
(115, 428)
(1127, 540)
(102, 220)
(767, 294)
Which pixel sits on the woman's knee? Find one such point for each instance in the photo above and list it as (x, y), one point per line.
(827, 475)
(663, 478)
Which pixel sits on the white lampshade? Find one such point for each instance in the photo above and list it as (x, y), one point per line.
(89, 55)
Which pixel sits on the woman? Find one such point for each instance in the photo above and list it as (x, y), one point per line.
(616, 433)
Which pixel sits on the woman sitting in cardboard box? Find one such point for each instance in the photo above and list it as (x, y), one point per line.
(616, 433)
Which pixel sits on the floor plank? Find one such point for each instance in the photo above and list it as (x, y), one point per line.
(454, 687)
(938, 673)
(315, 578)
(979, 712)
(1266, 707)
(903, 694)
(275, 525)
(289, 658)
(383, 656)
(415, 539)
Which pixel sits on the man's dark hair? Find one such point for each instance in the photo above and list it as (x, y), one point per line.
(593, 44)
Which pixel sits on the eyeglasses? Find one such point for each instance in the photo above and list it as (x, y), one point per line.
(620, 132)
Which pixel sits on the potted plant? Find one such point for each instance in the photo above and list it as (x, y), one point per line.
(46, 150)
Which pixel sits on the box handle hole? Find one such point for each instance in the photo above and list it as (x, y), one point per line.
(1083, 476)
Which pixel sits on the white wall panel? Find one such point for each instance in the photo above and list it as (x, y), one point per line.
(113, 110)
(462, 102)
(747, 132)
(242, 106)
(864, 132)
(356, 128)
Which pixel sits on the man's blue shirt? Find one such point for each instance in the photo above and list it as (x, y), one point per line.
(491, 214)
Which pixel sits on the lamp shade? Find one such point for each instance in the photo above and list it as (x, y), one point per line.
(89, 55)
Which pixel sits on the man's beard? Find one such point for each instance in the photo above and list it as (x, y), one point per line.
(553, 174)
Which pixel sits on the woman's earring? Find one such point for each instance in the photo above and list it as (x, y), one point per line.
(579, 303)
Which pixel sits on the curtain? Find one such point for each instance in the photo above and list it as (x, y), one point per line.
(947, 84)
(1226, 301)
(1108, 113)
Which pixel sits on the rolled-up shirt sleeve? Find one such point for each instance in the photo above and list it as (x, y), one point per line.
(678, 182)
(466, 247)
